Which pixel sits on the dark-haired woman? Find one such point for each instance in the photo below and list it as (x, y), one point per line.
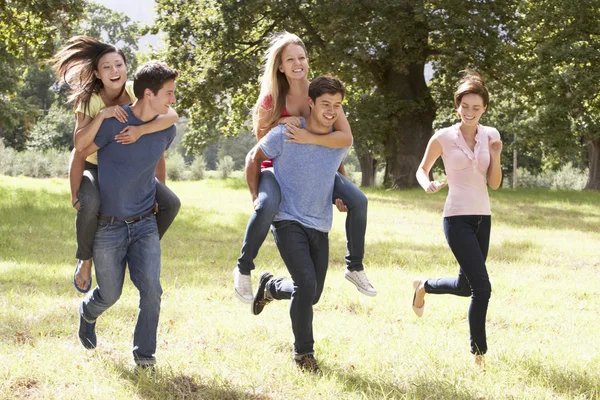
(471, 155)
(96, 72)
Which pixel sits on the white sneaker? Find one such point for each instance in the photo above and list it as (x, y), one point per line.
(242, 285)
(359, 278)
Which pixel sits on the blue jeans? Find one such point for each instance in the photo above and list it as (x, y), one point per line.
(89, 204)
(305, 252)
(137, 245)
(269, 197)
(468, 237)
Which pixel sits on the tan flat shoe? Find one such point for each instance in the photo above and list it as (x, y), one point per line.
(417, 310)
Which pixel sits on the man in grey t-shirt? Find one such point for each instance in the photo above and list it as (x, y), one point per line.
(306, 175)
(127, 233)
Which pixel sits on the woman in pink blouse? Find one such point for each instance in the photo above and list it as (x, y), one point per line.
(471, 154)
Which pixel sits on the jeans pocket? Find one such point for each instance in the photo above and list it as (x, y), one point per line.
(102, 225)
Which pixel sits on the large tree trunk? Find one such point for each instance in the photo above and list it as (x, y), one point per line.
(405, 146)
(593, 182)
(368, 166)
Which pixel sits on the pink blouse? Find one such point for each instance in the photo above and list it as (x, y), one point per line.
(466, 170)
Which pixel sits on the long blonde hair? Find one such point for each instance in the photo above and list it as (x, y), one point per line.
(274, 84)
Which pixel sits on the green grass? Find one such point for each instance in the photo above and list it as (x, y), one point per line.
(542, 325)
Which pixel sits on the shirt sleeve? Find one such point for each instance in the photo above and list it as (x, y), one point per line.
(93, 108)
(105, 133)
(172, 133)
(494, 134)
(272, 143)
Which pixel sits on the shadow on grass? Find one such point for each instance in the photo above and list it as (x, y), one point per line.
(420, 388)
(561, 380)
(167, 385)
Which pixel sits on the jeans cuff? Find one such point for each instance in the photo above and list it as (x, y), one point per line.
(299, 356)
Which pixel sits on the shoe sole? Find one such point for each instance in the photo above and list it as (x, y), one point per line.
(363, 291)
(240, 297)
(260, 292)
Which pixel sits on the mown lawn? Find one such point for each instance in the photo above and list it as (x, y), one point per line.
(543, 320)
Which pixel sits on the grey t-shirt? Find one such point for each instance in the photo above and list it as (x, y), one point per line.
(126, 171)
(306, 174)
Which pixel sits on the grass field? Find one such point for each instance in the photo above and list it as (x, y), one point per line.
(543, 321)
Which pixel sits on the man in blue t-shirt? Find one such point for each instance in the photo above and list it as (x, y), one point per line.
(306, 175)
(127, 233)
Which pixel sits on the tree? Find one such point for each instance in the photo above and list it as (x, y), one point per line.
(27, 78)
(53, 131)
(113, 27)
(379, 48)
(557, 46)
(28, 30)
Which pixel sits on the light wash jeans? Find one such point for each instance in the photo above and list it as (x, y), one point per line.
(89, 204)
(136, 245)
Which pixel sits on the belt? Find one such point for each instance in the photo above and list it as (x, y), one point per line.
(106, 217)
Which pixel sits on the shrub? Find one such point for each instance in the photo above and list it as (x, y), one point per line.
(198, 168)
(34, 164)
(175, 166)
(569, 177)
(8, 160)
(225, 167)
(59, 163)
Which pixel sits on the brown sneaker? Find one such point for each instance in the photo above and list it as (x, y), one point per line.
(260, 301)
(307, 363)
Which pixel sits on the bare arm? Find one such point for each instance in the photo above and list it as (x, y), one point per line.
(495, 169)
(432, 153)
(76, 168)
(340, 138)
(86, 127)
(252, 170)
(132, 133)
(161, 170)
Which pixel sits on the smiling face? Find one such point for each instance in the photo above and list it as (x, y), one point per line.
(112, 71)
(325, 111)
(471, 108)
(163, 99)
(294, 63)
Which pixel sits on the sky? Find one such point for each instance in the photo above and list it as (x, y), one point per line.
(138, 10)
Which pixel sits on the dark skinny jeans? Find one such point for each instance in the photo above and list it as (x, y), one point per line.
(305, 252)
(468, 237)
(86, 220)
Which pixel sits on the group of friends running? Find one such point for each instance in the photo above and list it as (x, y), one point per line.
(295, 172)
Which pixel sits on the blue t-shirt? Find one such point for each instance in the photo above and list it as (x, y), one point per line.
(306, 175)
(126, 171)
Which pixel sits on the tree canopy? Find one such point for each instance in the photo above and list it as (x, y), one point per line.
(378, 48)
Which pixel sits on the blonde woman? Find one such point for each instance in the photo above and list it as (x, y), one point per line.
(284, 99)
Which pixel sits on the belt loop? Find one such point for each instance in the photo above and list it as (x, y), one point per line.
(112, 220)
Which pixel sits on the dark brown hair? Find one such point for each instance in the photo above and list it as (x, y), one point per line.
(152, 75)
(471, 83)
(76, 63)
(325, 84)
